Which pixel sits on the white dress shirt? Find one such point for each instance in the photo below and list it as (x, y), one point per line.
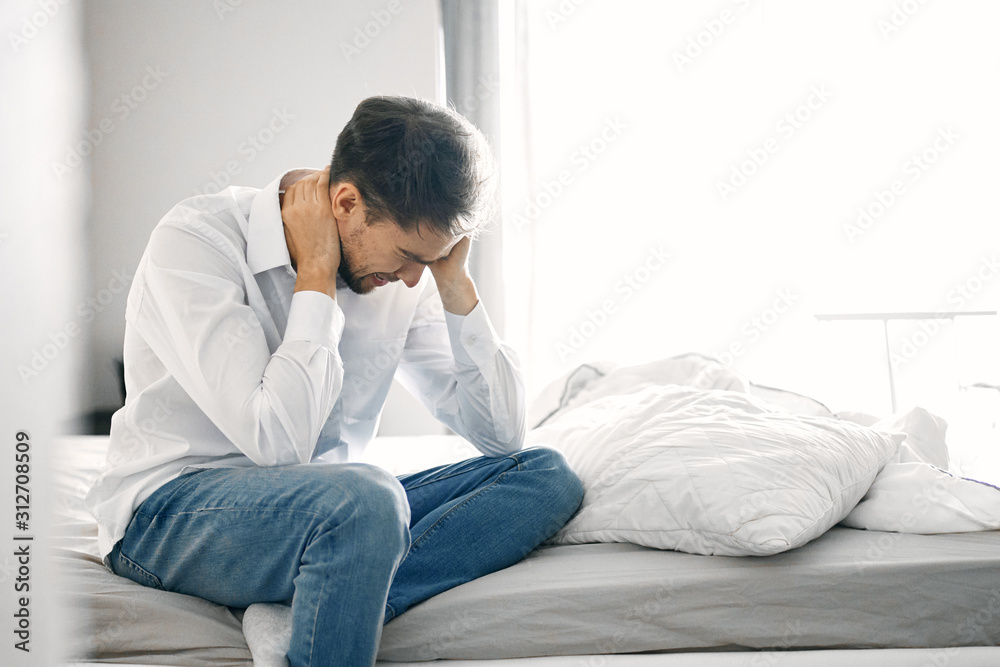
(226, 366)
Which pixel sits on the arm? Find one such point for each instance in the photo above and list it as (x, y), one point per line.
(194, 315)
(456, 365)
(312, 234)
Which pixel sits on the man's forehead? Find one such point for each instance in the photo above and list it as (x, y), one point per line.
(426, 248)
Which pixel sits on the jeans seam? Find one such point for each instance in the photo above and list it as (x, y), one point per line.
(237, 509)
(312, 638)
(144, 571)
(462, 472)
(441, 518)
(190, 476)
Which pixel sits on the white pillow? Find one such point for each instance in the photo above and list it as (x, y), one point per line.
(594, 379)
(710, 471)
(914, 492)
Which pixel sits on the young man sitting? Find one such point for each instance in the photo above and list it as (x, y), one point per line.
(263, 331)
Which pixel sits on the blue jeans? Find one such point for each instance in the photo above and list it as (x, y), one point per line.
(348, 545)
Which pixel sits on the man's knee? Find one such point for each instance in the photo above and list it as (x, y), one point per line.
(557, 476)
(380, 491)
(372, 497)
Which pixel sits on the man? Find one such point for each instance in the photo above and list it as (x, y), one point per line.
(263, 330)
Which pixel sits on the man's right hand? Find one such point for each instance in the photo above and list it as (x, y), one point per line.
(311, 233)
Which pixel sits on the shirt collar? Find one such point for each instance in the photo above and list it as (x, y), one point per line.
(266, 245)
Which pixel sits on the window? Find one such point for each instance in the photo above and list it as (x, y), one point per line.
(710, 177)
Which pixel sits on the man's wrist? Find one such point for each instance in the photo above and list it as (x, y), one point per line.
(459, 297)
(313, 278)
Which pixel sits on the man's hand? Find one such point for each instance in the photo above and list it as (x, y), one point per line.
(458, 292)
(311, 233)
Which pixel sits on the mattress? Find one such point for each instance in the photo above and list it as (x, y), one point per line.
(113, 619)
(847, 589)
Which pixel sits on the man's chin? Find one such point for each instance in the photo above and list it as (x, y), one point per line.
(362, 285)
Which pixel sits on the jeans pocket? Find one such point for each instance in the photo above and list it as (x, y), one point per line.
(124, 566)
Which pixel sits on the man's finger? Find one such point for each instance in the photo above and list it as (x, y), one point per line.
(314, 186)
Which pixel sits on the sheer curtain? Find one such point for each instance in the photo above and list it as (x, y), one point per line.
(471, 33)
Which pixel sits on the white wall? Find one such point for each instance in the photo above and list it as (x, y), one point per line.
(209, 85)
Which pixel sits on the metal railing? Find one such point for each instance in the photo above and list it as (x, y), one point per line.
(887, 317)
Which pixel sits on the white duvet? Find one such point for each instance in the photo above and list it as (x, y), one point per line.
(685, 454)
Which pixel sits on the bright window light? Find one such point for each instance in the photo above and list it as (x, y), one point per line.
(690, 177)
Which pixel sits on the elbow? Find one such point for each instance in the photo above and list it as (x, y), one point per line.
(513, 447)
(281, 448)
(516, 443)
(287, 431)
(512, 438)
(505, 446)
(270, 459)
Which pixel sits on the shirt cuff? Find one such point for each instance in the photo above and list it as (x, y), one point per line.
(314, 316)
(474, 342)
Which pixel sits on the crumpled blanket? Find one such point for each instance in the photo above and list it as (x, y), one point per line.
(913, 493)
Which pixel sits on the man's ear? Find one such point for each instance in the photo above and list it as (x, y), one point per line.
(345, 200)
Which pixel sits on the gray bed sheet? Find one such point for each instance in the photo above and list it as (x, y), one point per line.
(847, 589)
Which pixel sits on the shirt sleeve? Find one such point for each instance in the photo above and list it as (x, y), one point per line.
(194, 316)
(465, 375)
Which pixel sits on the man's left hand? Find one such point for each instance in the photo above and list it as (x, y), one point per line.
(451, 272)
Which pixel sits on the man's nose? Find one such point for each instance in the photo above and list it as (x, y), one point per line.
(410, 273)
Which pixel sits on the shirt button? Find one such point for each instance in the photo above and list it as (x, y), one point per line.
(470, 340)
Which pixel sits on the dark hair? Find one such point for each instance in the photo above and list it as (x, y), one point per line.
(417, 163)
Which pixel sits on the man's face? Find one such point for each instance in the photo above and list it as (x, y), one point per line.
(376, 254)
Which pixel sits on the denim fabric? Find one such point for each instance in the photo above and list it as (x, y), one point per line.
(349, 546)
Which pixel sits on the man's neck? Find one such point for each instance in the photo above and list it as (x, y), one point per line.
(286, 182)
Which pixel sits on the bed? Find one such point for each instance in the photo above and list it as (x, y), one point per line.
(849, 596)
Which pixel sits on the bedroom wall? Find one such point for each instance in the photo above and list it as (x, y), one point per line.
(189, 97)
